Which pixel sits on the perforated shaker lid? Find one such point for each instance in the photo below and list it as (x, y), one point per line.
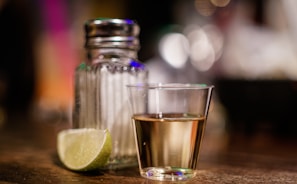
(113, 33)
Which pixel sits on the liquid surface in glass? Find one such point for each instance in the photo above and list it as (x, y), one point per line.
(169, 145)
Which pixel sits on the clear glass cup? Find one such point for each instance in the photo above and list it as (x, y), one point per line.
(168, 122)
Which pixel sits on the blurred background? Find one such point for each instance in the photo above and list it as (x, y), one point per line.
(246, 48)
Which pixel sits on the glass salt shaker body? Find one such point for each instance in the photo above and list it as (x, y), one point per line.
(101, 99)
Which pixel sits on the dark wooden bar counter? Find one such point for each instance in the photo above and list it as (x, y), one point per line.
(28, 155)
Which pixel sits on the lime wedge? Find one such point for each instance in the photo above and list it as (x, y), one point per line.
(84, 149)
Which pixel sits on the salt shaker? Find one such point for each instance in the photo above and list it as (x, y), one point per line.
(101, 99)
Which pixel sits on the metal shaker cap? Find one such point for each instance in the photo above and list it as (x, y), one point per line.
(112, 33)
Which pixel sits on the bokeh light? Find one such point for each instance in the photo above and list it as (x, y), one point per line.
(204, 7)
(220, 3)
(206, 46)
(174, 49)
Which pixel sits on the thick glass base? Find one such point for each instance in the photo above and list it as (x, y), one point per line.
(168, 173)
(121, 163)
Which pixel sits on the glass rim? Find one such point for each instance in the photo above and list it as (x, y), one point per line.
(171, 85)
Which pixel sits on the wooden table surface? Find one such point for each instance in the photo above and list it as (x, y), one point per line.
(28, 155)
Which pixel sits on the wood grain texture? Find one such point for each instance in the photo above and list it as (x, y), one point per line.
(28, 155)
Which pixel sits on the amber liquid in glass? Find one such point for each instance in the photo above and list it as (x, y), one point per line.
(168, 145)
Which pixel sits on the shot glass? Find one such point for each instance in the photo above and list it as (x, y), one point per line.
(168, 122)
